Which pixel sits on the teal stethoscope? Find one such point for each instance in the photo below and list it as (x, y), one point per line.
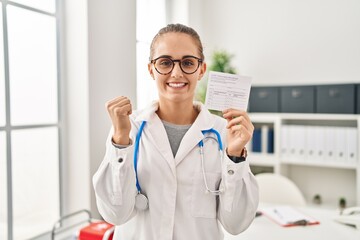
(141, 201)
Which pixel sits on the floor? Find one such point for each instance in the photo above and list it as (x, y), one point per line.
(47, 236)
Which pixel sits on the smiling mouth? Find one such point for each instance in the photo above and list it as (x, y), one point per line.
(176, 85)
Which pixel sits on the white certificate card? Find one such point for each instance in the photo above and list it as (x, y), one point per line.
(225, 90)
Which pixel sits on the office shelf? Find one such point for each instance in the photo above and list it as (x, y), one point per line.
(331, 177)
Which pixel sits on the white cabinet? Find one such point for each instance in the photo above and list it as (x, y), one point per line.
(319, 152)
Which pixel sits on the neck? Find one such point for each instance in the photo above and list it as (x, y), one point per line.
(177, 113)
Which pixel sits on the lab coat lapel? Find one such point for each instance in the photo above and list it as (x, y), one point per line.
(154, 128)
(160, 140)
(204, 121)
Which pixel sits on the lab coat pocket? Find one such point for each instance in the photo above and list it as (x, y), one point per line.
(203, 203)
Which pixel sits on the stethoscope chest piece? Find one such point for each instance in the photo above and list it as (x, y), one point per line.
(141, 202)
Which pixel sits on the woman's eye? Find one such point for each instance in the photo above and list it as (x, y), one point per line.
(187, 63)
(165, 63)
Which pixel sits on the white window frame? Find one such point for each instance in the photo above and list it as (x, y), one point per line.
(8, 128)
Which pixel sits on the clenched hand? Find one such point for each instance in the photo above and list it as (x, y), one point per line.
(119, 110)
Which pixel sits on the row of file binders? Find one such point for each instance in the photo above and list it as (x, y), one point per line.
(319, 144)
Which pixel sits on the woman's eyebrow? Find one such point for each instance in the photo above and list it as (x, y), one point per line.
(168, 56)
(186, 56)
(164, 56)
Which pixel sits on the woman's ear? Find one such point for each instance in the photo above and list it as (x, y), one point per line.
(150, 69)
(202, 70)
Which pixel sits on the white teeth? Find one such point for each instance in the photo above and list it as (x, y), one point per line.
(176, 85)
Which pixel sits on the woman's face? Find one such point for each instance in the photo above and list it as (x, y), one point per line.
(176, 86)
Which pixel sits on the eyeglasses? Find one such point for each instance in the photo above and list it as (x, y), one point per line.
(188, 64)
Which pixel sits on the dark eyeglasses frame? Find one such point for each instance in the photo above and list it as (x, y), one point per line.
(179, 61)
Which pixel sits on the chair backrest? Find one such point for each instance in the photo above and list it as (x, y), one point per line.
(277, 189)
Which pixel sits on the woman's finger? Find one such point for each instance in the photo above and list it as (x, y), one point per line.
(231, 113)
(240, 129)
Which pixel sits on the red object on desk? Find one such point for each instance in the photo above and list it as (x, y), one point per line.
(97, 231)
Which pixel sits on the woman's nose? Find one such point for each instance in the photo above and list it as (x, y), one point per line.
(177, 72)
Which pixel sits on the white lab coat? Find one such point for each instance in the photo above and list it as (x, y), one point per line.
(179, 206)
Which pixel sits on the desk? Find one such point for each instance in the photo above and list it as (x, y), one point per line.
(263, 228)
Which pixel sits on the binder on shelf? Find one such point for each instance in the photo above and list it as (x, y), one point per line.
(270, 140)
(287, 216)
(352, 142)
(291, 143)
(330, 144)
(297, 143)
(264, 138)
(256, 140)
(319, 139)
(340, 144)
(310, 143)
(300, 139)
(284, 141)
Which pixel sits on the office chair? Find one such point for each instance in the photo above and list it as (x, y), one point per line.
(277, 189)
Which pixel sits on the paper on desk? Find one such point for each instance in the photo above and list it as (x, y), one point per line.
(225, 90)
(288, 216)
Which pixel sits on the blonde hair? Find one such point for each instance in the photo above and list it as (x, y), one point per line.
(177, 28)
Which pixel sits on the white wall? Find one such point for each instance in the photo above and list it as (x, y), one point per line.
(178, 11)
(75, 110)
(112, 67)
(286, 41)
(100, 60)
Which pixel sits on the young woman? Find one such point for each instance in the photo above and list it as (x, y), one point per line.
(174, 170)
